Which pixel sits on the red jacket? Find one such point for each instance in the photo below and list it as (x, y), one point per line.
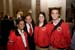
(60, 38)
(15, 42)
(41, 36)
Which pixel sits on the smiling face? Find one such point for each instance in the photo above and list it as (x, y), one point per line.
(55, 14)
(41, 18)
(28, 19)
(20, 25)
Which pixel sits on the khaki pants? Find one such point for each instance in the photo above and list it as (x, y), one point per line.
(51, 48)
(38, 48)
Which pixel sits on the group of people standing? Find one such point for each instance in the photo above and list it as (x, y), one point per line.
(54, 35)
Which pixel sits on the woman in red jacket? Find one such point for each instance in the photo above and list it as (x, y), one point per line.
(18, 38)
(41, 36)
(59, 31)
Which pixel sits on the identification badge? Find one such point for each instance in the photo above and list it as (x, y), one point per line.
(59, 29)
(44, 28)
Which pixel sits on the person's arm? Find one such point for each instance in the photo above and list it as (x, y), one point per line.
(27, 41)
(35, 35)
(11, 41)
(67, 35)
(73, 42)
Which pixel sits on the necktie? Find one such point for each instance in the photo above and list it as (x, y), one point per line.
(30, 30)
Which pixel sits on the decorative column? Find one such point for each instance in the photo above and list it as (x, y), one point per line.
(4, 6)
(44, 7)
(11, 7)
(33, 7)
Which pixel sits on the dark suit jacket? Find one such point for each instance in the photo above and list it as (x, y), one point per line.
(30, 38)
(6, 26)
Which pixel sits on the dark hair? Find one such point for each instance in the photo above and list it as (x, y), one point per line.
(45, 21)
(18, 11)
(31, 18)
(18, 21)
(28, 15)
(69, 19)
(15, 29)
(59, 11)
(6, 17)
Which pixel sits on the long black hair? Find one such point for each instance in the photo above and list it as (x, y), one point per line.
(15, 29)
(18, 21)
(45, 21)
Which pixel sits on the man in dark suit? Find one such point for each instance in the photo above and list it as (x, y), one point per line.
(29, 28)
(6, 26)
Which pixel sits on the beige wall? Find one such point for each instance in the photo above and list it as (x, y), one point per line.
(1, 6)
(68, 2)
(11, 6)
(68, 7)
(46, 4)
(44, 7)
(24, 5)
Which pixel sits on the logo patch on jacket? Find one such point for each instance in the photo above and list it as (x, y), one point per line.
(44, 28)
(59, 29)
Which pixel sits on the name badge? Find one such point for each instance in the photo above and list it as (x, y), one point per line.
(59, 29)
(44, 28)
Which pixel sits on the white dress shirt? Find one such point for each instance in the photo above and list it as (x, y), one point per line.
(28, 27)
(41, 24)
(23, 37)
(56, 22)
